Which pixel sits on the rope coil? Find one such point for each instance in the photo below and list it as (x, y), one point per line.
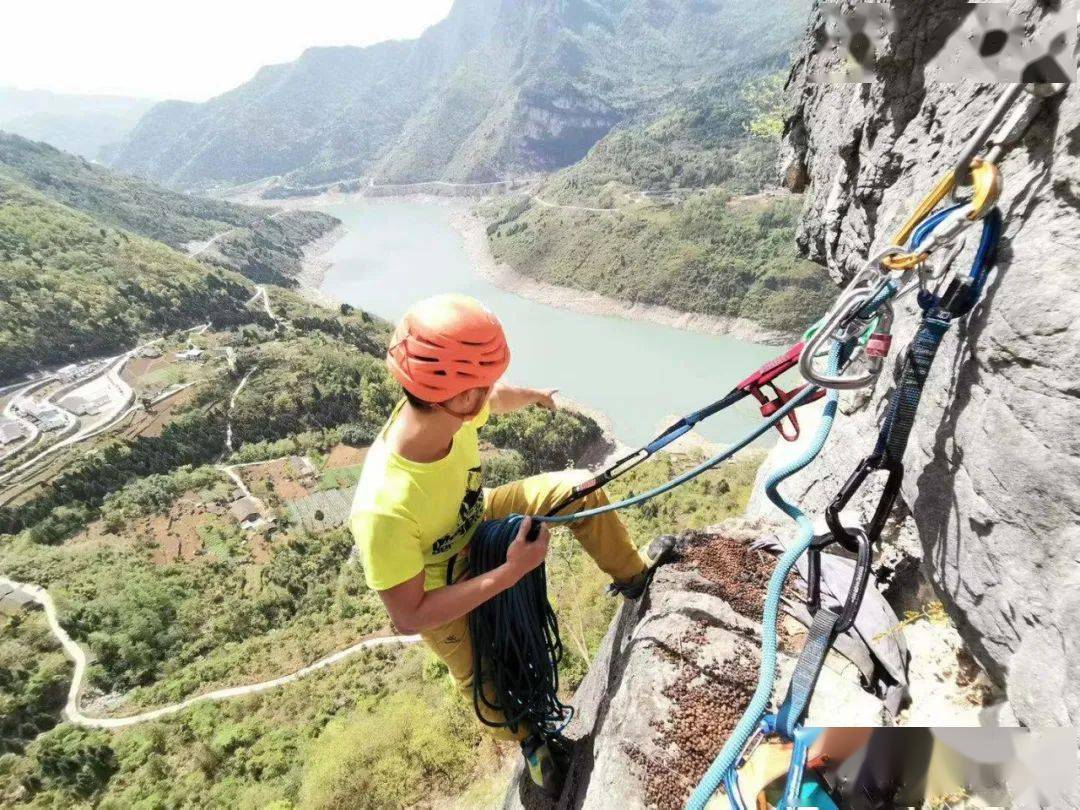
(516, 644)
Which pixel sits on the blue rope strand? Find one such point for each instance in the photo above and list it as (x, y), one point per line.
(748, 724)
(765, 427)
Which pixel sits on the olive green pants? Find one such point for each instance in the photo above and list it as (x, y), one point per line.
(604, 538)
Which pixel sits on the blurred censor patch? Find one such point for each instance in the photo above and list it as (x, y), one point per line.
(986, 44)
(940, 767)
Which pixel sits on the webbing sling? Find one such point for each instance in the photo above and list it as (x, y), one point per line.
(938, 315)
(804, 679)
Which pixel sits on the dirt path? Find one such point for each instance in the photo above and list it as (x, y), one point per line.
(76, 653)
(537, 198)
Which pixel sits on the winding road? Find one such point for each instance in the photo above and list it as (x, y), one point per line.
(73, 714)
(72, 711)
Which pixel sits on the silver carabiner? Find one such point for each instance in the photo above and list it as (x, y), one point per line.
(833, 329)
(863, 289)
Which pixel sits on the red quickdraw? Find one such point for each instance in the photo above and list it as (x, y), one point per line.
(765, 376)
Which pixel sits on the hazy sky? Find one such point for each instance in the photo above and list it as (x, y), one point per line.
(189, 49)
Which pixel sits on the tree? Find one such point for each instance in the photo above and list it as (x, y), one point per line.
(74, 760)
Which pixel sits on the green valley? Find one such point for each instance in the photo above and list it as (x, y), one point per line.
(186, 425)
(676, 212)
(73, 287)
(261, 245)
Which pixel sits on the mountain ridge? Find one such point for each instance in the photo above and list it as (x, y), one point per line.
(254, 242)
(497, 88)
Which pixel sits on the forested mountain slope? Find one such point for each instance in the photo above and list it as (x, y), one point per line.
(72, 287)
(678, 212)
(499, 87)
(261, 245)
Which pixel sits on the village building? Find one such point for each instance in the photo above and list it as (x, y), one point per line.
(11, 431)
(190, 354)
(85, 406)
(43, 413)
(302, 468)
(69, 373)
(248, 512)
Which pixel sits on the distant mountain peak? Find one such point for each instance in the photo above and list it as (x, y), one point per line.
(498, 88)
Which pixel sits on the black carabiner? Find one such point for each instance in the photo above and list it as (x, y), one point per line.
(859, 580)
(858, 541)
(870, 464)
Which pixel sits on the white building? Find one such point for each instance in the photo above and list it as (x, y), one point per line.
(192, 353)
(11, 431)
(84, 406)
(45, 414)
(69, 373)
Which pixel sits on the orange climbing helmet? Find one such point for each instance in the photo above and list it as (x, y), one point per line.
(445, 345)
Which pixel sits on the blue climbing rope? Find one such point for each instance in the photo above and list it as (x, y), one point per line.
(797, 400)
(748, 724)
(958, 299)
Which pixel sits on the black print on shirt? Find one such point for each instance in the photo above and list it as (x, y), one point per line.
(470, 512)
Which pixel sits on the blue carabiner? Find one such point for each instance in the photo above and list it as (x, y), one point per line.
(802, 741)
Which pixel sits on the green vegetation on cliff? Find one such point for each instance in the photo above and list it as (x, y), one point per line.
(677, 213)
(712, 254)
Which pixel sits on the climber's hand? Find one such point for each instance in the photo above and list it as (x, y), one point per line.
(522, 555)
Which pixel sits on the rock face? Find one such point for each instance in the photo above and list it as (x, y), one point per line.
(992, 491)
(674, 674)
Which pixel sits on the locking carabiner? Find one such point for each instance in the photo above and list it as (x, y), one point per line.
(853, 540)
(986, 190)
(873, 463)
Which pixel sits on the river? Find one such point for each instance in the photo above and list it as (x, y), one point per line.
(639, 374)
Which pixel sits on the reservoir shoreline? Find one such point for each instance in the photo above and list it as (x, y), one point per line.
(387, 253)
(473, 232)
(586, 302)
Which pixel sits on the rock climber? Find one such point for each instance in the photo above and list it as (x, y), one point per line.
(420, 495)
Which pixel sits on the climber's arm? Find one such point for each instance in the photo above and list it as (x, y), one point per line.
(506, 398)
(414, 610)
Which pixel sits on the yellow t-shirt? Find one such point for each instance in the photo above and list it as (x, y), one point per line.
(409, 517)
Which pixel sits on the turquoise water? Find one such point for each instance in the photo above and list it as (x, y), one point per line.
(640, 375)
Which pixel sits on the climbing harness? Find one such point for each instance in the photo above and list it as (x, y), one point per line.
(515, 639)
(779, 761)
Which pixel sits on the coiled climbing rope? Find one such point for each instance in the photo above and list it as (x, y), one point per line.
(516, 645)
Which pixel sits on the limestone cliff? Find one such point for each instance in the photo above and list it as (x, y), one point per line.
(992, 492)
(990, 508)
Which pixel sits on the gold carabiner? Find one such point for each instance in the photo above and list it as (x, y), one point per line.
(986, 189)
